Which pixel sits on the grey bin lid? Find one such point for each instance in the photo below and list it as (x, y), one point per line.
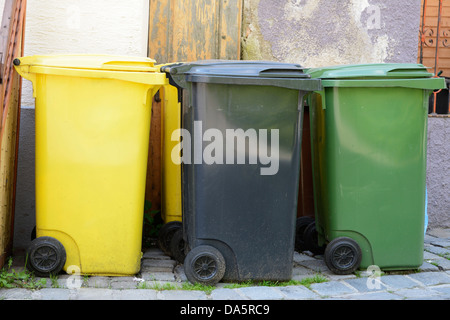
(265, 73)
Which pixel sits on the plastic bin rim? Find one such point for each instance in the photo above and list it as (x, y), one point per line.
(93, 62)
(373, 71)
(418, 83)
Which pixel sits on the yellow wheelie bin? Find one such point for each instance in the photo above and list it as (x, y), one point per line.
(93, 117)
(170, 239)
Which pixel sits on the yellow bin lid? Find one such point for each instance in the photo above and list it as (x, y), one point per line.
(91, 62)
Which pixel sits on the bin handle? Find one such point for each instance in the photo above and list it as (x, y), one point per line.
(283, 73)
(24, 73)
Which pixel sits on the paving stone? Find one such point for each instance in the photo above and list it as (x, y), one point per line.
(91, 294)
(300, 273)
(97, 282)
(426, 266)
(430, 278)
(316, 265)
(443, 290)
(439, 233)
(150, 265)
(64, 281)
(430, 256)
(158, 276)
(443, 243)
(226, 294)
(51, 294)
(333, 288)
(261, 293)
(381, 295)
(123, 283)
(298, 293)
(417, 293)
(299, 257)
(181, 295)
(436, 250)
(366, 284)
(15, 294)
(130, 294)
(337, 277)
(398, 282)
(155, 253)
(443, 263)
(429, 238)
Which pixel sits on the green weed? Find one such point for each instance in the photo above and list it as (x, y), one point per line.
(10, 278)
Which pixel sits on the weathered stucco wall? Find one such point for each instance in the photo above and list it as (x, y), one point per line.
(321, 32)
(438, 177)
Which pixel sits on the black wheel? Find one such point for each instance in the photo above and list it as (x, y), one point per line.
(301, 224)
(166, 233)
(311, 239)
(204, 265)
(343, 255)
(46, 256)
(33, 234)
(177, 246)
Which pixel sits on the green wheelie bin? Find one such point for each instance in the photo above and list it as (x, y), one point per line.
(369, 151)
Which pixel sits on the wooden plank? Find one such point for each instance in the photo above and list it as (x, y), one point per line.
(10, 102)
(189, 30)
(184, 31)
(194, 26)
(230, 30)
(153, 185)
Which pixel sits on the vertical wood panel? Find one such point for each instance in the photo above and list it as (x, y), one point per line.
(10, 114)
(189, 30)
(185, 31)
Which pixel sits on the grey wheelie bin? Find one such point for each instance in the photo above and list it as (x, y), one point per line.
(240, 152)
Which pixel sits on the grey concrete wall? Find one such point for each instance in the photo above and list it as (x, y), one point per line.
(438, 176)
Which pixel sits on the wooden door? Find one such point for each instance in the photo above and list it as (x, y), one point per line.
(186, 31)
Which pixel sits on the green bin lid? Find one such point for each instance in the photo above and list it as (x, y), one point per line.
(407, 75)
(369, 71)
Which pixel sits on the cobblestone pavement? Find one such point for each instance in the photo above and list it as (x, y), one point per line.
(163, 279)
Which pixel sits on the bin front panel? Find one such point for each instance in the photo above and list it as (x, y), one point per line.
(370, 169)
(233, 206)
(91, 156)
